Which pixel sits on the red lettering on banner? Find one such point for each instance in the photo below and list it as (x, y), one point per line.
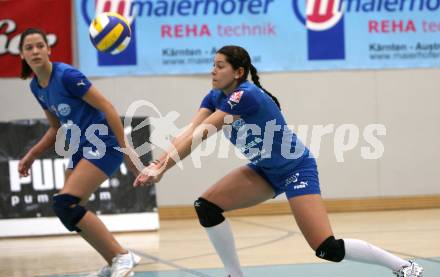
(183, 31)
(391, 26)
(165, 31)
(14, 20)
(205, 31)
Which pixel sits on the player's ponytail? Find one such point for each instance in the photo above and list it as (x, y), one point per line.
(239, 57)
(26, 70)
(256, 79)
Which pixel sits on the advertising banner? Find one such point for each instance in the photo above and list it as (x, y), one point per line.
(181, 36)
(30, 198)
(52, 16)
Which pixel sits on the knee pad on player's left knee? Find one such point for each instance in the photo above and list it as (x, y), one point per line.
(68, 210)
(331, 250)
(209, 213)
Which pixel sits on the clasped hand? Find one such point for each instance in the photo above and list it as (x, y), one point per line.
(150, 174)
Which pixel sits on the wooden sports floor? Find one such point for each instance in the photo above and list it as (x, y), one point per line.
(267, 246)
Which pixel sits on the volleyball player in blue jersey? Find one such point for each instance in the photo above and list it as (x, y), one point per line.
(279, 163)
(70, 101)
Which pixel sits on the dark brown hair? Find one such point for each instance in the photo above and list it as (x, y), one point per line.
(239, 57)
(26, 70)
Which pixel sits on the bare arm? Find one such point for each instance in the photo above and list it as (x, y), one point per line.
(98, 101)
(44, 144)
(48, 140)
(186, 142)
(199, 117)
(192, 139)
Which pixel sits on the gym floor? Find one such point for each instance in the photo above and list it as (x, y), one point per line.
(267, 246)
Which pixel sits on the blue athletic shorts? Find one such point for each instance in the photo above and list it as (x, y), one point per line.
(108, 162)
(301, 180)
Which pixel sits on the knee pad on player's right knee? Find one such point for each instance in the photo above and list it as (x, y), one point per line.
(209, 213)
(331, 250)
(68, 210)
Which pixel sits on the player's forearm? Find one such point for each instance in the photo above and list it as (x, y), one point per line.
(115, 124)
(178, 141)
(191, 140)
(178, 153)
(200, 116)
(45, 143)
(181, 137)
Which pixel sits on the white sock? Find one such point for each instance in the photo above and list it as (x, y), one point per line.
(361, 251)
(223, 241)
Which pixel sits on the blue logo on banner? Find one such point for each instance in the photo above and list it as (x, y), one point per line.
(181, 36)
(128, 56)
(325, 28)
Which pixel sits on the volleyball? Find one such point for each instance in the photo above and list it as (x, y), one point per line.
(110, 33)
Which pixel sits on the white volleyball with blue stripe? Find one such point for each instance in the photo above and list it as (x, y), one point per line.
(110, 32)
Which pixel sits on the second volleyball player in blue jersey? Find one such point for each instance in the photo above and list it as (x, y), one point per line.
(93, 130)
(279, 163)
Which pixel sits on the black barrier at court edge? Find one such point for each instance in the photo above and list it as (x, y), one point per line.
(31, 197)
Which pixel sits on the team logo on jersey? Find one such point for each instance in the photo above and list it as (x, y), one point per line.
(64, 109)
(238, 124)
(235, 97)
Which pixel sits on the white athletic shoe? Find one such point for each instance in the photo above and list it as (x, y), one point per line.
(413, 270)
(103, 272)
(123, 264)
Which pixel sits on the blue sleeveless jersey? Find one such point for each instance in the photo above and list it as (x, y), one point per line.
(63, 98)
(261, 133)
